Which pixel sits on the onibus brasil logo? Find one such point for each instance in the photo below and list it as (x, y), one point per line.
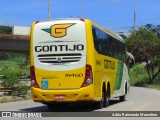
(58, 30)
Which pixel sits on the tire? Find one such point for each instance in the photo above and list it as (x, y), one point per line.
(105, 99)
(57, 106)
(50, 106)
(122, 98)
(99, 104)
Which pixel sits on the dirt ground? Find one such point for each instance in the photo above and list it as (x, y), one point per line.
(8, 98)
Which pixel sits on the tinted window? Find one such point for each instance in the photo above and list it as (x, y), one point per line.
(108, 45)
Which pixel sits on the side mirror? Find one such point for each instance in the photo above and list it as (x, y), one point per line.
(131, 63)
(131, 60)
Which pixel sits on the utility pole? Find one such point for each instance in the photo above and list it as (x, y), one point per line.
(49, 10)
(82, 11)
(134, 15)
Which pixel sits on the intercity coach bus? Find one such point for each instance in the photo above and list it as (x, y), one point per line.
(76, 60)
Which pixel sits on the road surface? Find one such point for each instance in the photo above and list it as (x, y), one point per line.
(138, 99)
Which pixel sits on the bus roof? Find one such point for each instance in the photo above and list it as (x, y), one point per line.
(61, 19)
(96, 25)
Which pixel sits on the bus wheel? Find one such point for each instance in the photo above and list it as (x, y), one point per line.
(50, 106)
(57, 106)
(123, 97)
(105, 99)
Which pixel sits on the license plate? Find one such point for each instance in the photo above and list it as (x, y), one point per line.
(60, 97)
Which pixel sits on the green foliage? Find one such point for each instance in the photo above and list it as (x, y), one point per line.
(11, 76)
(18, 58)
(156, 86)
(15, 98)
(138, 75)
(26, 70)
(153, 28)
(3, 56)
(5, 29)
(20, 90)
(144, 45)
(13, 68)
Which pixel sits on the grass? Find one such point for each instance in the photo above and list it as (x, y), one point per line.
(5, 98)
(139, 77)
(156, 86)
(12, 67)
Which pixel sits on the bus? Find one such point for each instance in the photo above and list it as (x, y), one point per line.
(76, 60)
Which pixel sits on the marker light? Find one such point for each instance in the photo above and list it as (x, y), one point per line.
(82, 19)
(37, 22)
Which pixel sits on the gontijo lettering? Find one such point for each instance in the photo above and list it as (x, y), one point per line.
(47, 48)
(109, 64)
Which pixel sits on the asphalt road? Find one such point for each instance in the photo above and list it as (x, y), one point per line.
(138, 99)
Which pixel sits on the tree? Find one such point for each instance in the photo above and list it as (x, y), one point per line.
(145, 46)
(153, 28)
(5, 30)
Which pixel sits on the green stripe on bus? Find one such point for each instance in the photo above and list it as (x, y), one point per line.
(119, 75)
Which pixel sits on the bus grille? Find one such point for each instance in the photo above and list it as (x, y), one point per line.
(59, 58)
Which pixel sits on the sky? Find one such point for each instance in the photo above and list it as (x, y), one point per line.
(116, 15)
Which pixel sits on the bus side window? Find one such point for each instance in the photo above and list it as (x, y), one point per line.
(95, 38)
(94, 33)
